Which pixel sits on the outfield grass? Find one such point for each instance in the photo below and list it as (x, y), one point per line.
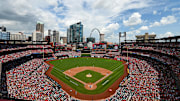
(82, 76)
(65, 64)
(83, 55)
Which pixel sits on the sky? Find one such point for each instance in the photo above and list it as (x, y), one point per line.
(136, 17)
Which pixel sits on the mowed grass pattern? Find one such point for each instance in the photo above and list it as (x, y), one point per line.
(62, 65)
(95, 76)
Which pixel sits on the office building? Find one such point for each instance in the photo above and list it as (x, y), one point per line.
(3, 34)
(49, 32)
(40, 28)
(64, 40)
(56, 36)
(145, 37)
(84, 39)
(101, 37)
(18, 36)
(50, 35)
(29, 38)
(47, 38)
(3, 29)
(37, 36)
(75, 33)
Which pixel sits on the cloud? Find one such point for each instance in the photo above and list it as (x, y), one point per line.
(155, 24)
(110, 28)
(144, 28)
(138, 31)
(134, 19)
(154, 12)
(164, 21)
(97, 14)
(109, 32)
(152, 33)
(168, 20)
(21, 15)
(167, 34)
(131, 34)
(112, 38)
(175, 9)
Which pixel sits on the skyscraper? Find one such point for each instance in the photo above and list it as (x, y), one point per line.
(50, 35)
(56, 36)
(3, 34)
(49, 32)
(75, 33)
(40, 28)
(37, 36)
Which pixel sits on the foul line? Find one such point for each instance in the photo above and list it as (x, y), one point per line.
(118, 67)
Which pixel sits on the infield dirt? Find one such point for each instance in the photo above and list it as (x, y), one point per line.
(90, 86)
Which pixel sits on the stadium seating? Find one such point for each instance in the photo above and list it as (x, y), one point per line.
(173, 50)
(9, 57)
(148, 79)
(174, 63)
(147, 82)
(69, 53)
(29, 82)
(4, 48)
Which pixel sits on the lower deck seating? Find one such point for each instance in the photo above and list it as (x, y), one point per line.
(28, 82)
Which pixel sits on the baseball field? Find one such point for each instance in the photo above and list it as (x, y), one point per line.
(88, 75)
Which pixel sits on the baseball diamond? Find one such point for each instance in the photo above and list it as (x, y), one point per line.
(73, 72)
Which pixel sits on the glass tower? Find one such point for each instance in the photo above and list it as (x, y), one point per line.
(4, 35)
(75, 33)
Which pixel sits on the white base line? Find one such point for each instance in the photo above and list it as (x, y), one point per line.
(118, 67)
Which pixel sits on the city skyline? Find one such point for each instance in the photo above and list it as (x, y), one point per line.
(136, 17)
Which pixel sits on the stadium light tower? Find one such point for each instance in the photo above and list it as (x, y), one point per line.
(123, 34)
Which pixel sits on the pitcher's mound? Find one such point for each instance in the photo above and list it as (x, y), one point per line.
(89, 75)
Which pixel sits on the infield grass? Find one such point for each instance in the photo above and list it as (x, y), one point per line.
(62, 65)
(82, 76)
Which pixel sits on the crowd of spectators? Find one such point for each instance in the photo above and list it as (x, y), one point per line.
(97, 55)
(172, 62)
(150, 80)
(69, 53)
(18, 47)
(13, 56)
(122, 94)
(113, 53)
(166, 50)
(39, 46)
(11, 47)
(28, 82)
(145, 82)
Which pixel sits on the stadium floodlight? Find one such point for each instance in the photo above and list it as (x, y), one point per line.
(121, 34)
